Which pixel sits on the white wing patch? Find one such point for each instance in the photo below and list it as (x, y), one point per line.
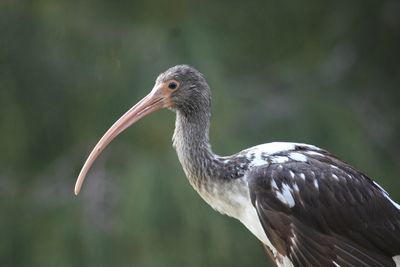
(316, 184)
(258, 160)
(276, 147)
(314, 153)
(285, 194)
(334, 167)
(279, 159)
(298, 157)
(272, 148)
(261, 151)
(397, 260)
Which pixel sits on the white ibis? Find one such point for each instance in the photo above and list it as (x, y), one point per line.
(306, 206)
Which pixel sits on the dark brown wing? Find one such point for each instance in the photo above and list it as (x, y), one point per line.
(323, 212)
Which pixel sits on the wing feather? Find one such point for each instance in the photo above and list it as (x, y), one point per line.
(339, 217)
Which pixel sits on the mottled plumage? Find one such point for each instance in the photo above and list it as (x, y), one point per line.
(339, 214)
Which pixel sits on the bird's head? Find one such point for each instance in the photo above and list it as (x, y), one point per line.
(180, 88)
(185, 88)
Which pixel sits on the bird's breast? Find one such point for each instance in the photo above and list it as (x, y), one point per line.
(233, 199)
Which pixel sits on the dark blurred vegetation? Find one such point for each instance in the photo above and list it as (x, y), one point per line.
(325, 73)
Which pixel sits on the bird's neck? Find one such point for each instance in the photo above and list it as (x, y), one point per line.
(217, 179)
(191, 143)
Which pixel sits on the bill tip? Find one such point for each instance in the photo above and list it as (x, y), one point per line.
(76, 190)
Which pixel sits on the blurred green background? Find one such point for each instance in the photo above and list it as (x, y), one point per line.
(325, 73)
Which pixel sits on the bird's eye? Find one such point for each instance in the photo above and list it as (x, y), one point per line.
(172, 85)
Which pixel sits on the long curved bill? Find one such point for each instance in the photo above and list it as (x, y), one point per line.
(158, 98)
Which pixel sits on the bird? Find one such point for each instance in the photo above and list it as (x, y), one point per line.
(305, 205)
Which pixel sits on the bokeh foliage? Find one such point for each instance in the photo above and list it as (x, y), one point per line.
(318, 72)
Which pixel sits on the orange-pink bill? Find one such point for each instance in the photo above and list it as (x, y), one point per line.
(158, 98)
